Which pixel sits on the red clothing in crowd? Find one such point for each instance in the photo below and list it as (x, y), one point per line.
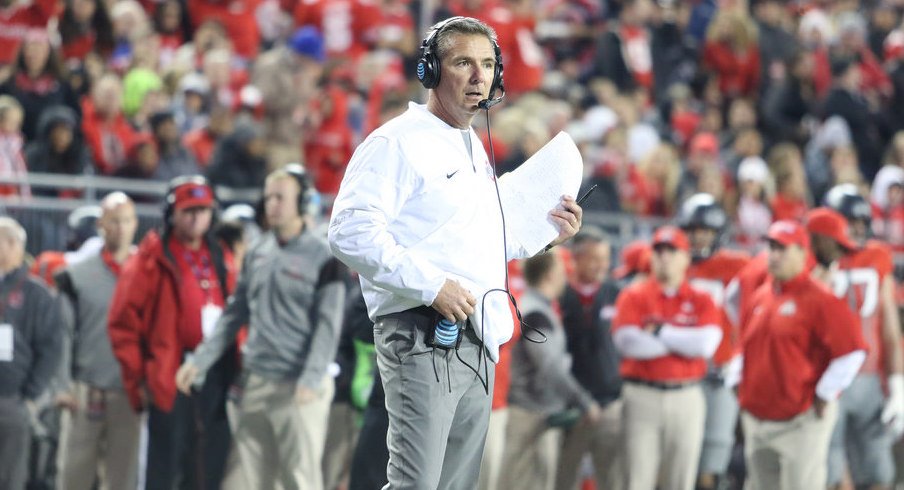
(238, 18)
(738, 73)
(348, 26)
(201, 143)
(109, 141)
(890, 226)
(785, 208)
(712, 276)
(792, 331)
(646, 302)
(873, 77)
(16, 20)
(329, 148)
(523, 58)
(149, 318)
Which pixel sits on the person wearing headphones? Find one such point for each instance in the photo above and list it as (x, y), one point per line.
(167, 300)
(291, 294)
(417, 217)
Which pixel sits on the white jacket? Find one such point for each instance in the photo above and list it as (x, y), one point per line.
(415, 209)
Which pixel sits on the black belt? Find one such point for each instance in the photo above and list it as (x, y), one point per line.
(677, 385)
(426, 317)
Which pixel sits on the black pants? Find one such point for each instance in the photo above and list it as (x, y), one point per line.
(188, 446)
(368, 471)
(15, 434)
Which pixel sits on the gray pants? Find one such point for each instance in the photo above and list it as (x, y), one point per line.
(860, 437)
(438, 409)
(605, 443)
(719, 432)
(15, 437)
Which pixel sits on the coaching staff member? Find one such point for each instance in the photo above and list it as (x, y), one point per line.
(417, 216)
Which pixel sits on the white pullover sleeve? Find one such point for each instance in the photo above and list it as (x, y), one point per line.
(839, 375)
(691, 341)
(633, 342)
(376, 185)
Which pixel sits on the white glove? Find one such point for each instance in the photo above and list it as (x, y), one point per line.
(733, 371)
(893, 412)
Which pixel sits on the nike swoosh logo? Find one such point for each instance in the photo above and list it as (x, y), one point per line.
(449, 176)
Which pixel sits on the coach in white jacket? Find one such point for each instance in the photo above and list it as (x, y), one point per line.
(417, 216)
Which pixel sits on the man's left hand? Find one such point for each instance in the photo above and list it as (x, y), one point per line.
(568, 219)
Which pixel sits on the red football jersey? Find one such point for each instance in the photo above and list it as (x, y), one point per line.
(712, 276)
(859, 281)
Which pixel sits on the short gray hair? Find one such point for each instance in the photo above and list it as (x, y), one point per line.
(464, 25)
(12, 229)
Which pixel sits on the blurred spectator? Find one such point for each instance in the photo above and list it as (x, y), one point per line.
(18, 20)
(675, 52)
(287, 76)
(174, 159)
(346, 37)
(731, 52)
(851, 43)
(168, 298)
(661, 170)
(239, 159)
(623, 52)
(142, 159)
(843, 167)
(106, 130)
(237, 18)
(142, 90)
(777, 44)
(791, 198)
(634, 263)
(169, 26)
(38, 81)
(329, 146)
(753, 213)
(888, 206)
(86, 28)
(202, 141)
(31, 348)
(129, 20)
(100, 434)
(225, 78)
(833, 133)
(191, 104)
(790, 101)
(846, 100)
(12, 162)
(588, 305)
(58, 147)
(542, 385)
(703, 152)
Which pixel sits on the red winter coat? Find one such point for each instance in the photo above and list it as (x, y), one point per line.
(144, 317)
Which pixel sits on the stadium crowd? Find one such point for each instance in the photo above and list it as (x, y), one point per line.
(728, 116)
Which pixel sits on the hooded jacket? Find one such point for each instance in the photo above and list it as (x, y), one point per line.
(39, 154)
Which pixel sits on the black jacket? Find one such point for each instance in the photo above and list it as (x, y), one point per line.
(595, 361)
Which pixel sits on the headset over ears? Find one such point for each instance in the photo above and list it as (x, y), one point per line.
(306, 190)
(428, 67)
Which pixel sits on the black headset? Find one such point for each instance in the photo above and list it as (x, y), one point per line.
(428, 67)
(305, 189)
(177, 182)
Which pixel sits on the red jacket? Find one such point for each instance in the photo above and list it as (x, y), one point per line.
(144, 315)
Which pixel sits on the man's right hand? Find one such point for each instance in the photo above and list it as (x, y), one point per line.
(185, 377)
(454, 302)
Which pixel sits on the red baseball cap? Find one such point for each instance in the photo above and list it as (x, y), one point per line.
(704, 143)
(635, 257)
(787, 232)
(192, 195)
(672, 236)
(828, 222)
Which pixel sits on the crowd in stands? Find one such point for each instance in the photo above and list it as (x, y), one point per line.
(764, 104)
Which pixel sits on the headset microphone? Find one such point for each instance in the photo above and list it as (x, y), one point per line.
(485, 104)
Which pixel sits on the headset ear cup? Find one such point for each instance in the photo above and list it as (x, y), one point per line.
(427, 66)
